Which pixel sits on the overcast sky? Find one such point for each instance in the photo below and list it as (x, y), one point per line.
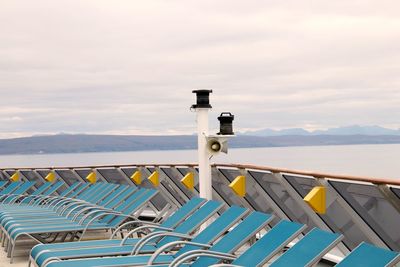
(128, 67)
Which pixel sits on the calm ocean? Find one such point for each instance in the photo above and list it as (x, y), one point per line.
(364, 160)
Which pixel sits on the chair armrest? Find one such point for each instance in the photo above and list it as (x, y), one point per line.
(173, 244)
(157, 227)
(86, 216)
(225, 265)
(145, 240)
(81, 208)
(198, 253)
(103, 214)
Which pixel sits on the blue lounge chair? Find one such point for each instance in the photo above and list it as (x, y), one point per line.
(73, 187)
(309, 250)
(7, 218)
(43, 217)
(45, 189)
(101, 220)
(49, 192)
(171, 222)
(264, 249)
(165, 235)
(10, 188)
(22, 189)
(233, 240)
(75, 191)
(46, 202)
(72, 214)
(367, 255)
(70, 191)
(112, 201)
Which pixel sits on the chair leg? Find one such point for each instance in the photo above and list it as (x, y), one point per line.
(6, 245)
(12, 251)
(9, 248)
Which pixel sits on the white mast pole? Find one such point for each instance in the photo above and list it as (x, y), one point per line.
(205, 183)
(202, 106)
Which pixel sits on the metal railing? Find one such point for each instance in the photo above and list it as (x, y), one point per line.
(361, 208)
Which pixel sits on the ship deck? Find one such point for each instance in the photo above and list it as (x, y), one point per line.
(360, 208)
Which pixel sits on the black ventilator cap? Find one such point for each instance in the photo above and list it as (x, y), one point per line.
(225, 123)
(203, 98)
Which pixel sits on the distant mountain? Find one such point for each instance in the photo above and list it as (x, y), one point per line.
(347, 130)
(356, 129)
(270, 132)
(70, 143)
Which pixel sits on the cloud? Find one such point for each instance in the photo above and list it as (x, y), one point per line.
(129, 67)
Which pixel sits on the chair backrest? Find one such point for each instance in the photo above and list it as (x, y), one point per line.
(270, 244)
(121, 197)
(48, 189)
(79, 190)
(87, 191)
(137, 203)
(183, 212)
(217, 228)
(193, 221)
(41, 189)
(121, 206)
(92, 191)
(23, 188)
(102, 193)
(239, 235)
(70, 189)
(367, 255)
(119, 190)
(10, 188)
(133, 207)
(53, 188)
(3, 183)
(309, 249)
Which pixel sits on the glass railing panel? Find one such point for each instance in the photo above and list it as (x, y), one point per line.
(336, 218)
(253, 197)
(396, 191)
(31, 176)
(176, 177)
(68, 176)
(112, 175)
(282, 198)
(372, 207)
(83, 173)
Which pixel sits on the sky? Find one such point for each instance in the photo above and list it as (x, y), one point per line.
(128, 67)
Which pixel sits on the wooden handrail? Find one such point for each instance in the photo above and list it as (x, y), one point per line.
(373, 180)
(316, 174)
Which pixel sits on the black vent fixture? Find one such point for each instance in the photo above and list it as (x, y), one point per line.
(225, 123)
(203, 98)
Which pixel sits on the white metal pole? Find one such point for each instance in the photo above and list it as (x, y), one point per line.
(204, 160)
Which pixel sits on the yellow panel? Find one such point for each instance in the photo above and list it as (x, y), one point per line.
(91, 177)
(154, 178)
(239, 185)
(316, 199)
(188, 181)
(137, 177)
(50, 177)
(15, 177)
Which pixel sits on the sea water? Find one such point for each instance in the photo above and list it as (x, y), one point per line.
(361, 160)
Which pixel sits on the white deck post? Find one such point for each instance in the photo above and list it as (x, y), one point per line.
(201, 107)
(205, 183)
